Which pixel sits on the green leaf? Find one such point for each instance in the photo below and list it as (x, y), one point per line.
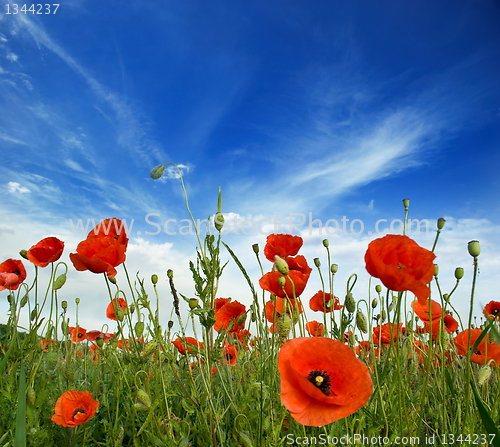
(488, 423)
(20, 440)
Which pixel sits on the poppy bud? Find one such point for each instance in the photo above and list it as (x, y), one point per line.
(255, 248)
(119, 314)
(31, 395)
(281, 265)
(33, 314)
(390, 307)
(184, 442)
(59, 282)
(219, 221)
(349, 303)
(9, 298)
(446, 297)
(24, 254)
(69, 373)
(326, 243)
(139, 328)
(50, 362)
(154, 279)
(459, 273)
(132, 308)
(99, 341)
(241, 319)
(149, 349)
(244, 440)
(283, 327)
(24, 300)
(193, 303)
(445, 339)
(170, 273)
(361, 322)
(143, 401)
(65, 327)
(77, 300)
(406, 203)
(64, 304)
(317, 262)
(383, 315)
(374, 303)
(253, 317)
(119, 437)
(440, 223)
(334, 268)
(351, 341)
(281, 281)
(474, 248)
(436, 269)
(170, 324)
(378, 288)
(157, 172)
(484, 375)
(112, 280)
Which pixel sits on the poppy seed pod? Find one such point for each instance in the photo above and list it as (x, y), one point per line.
(119, 314)
(317, 262)
(193, 303)
(77, 300)
(474, 248)
(406, 203)
(440, 223)
(154, 279)
(334, 268)
(255, 248)
(170, 273)
(281, 265)
(157, 172)
(349, 303)
(378, 288)
(459, 273)
(64, 304)
(326, 243)
(436, 270)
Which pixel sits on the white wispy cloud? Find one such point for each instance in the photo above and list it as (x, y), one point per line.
(12, 57)
(15, 187)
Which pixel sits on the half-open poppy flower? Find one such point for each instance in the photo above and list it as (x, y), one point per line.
(449, 323)
(283, 245)
(113, 228)
(12, 274)
(329, 303)
(74, 408)
(299, 274)
(314, 328)
(492, 310)
(401, 264)
(230, 311)
(99, 255)
(322, 380)
(422, 310)
(190, 342)
(483, 353)
(48, 250)
(115, 304)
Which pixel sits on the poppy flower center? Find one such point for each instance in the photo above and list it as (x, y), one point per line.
(495, 312)
(78, 411)
(228, 356)
(478, 352)
(401, 266)
(321, 379)
(16, 272)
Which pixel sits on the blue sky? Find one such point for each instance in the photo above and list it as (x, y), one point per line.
(324, 107)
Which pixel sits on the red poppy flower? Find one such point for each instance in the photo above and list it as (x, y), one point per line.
(77, 335)
(283, 245)
(422, 310)
(322, 380)
(99, 255)
(74, 408)
(449, 324)
(243, 336)
(331, 302)
(94, 335)
(190, 342)
(230, 354)
(483, 353)
(314, 328)
(299, 274)
(127, 344)
(401, 264)
(382, 334)
(116, 304)
(282, 305)
(48, 250)
(228, 312)
(112, 228)
(12, 274)
(492, 310)
(219, 302)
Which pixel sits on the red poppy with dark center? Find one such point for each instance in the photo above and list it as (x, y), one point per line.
(99, 255)
(322, 380)
(492, 310)
(299, 274)
(283, 245)
(230, 311)
(112, 228)
(449, 324)
(115, 305)
(401, 264)
(329, 303)
(314, 328)
(190, 342)
(383, 334)
(230, 354)
(12, 274)
(484, 351)
(74, 408)
(48, 250)
(422, 310)
(77, 335)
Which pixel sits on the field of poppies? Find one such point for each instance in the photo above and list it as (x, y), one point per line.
(388, 364)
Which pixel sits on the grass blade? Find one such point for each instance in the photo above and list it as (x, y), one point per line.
(20, 440)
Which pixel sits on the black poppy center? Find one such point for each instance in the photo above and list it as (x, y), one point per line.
(478, 352)
(16, 272)
(495, 312)
(78, 411)
(321, 379)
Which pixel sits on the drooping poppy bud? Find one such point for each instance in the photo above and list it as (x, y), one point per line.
(157, 172)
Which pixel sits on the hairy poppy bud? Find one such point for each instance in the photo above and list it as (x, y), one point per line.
(474, 248)
(281, 265)
(142, 400)
(24, 300)
(132, 308)
(484, 375)
(149, 349)
(326, 243)
(255, 248)
(59, 282)
(349, 303)
(65, 327)
(139, 328)
(406, 203)
(445, 339)
(378, 288)
(241, 319)
(157, 172)
(50, 362)
(440, 223)
(283, 327)
(24, 254)
(33, 314)
(390, 307)
(361, 323)
(69, 372)
(154, 279)
(374, 303)
(119, 437)
(383, 315)
(219, 221)
(446, 297)
(244, 439)
(30, 395)
(119, 314)
(334, 268)
(317, 262)
(281, 281)
(170, 324)
(459, 273)
(99, 341)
